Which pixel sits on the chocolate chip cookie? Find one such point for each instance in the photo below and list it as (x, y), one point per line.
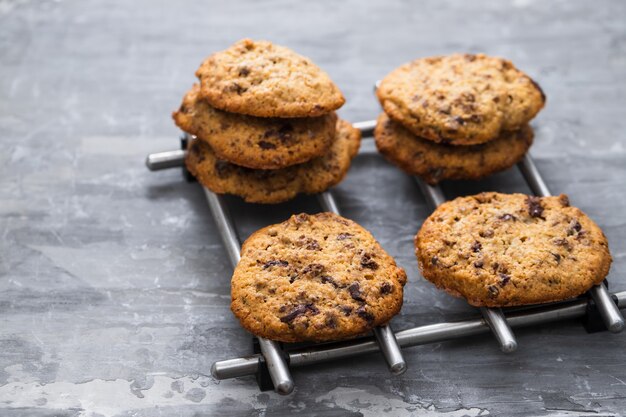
(261, 79)
(435, 162)
(461, 99)
(275, 185)
(255, 142)
(315, 278)
(500, 250)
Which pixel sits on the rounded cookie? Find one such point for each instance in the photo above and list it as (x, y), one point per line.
(255, 142)
(261, 79)
(436, 162)
(275, 185)
(315, 278)
(460, 99)
(500, 250)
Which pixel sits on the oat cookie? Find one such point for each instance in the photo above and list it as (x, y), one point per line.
(315, 278)
(255, 142)
(460, 99)
(275, 185)
(435, 162)
(500, 250)
(261, 79)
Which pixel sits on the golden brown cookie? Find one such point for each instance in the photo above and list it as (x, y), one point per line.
(261, 79)
(276, 185)
(461, 99)
(500, 250)
(255, 142)
(315, 278)
(436, 162)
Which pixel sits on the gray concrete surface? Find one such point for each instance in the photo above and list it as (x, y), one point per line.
(114, 288)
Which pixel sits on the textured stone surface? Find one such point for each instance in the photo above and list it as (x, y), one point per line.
(114, 286)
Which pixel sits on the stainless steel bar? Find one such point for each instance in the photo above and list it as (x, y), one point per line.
(276, 364)
(384, 334)
(366, 127)
(164, 160)
(493, 317)
(612, 317)
(432, 333)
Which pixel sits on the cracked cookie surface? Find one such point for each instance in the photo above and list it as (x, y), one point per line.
(261, 79)
(315, 278)
(275, 185)
(435, 162)
(460, 99)
(499, 250)
(255, 142)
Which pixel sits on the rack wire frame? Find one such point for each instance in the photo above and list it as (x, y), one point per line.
(276, 361)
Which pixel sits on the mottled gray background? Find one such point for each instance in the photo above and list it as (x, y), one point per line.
(114, 288)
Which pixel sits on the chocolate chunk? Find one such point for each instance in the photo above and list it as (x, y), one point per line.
(368, 262)
(557, 257)
(244, 71)
(368, 317)
(299, 311)
(285, 131)
(479, 264)
(266, 145)
(327, 279)
(344, 236)
(330, 322)
(506, 217)
(346, 310)
(434, 260)
(355, 292)
(476, 246)
(562, 242)
(459, 120)
(309, 243)
(574, 227)
(275, 262)
(313, 269)
(535, 209)
(493, 290)
(504, 279)
(386, 288)
(235, 87)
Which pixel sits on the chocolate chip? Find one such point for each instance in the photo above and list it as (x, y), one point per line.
(557, 257)
(479, 264)
(331, 323)
(355, 292)
(459, 120)
(275, 262)
(285, 131)
(266, 145)
(368, 262)
(368, 317)
(535, 209)
(506, 217)
(434, 260)
(299, 311)
(476, 246)
(346, 310)
(386, 288)
(235, 87)
(493, 290)
(574, 227)
(327, 279)
(309, 243)
(313, 269)
(244, 71)
(222, 168)
(344, 236)
(562, 242)
(301, 218)
(504, 279)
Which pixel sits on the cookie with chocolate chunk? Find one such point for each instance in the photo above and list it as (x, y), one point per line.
(315, 278)
(499, 250)
(261, 79)
(460, 99)
(255, 142)
(435, 162)
(275, 185)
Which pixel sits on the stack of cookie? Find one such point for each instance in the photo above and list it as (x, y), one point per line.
(456, 117)
(265, 124)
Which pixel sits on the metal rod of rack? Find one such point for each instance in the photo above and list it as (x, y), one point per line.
(384, 334)
(494, 317)
(611, 315)
(431, 333)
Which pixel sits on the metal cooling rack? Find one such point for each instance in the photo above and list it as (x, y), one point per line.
(271, 363)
